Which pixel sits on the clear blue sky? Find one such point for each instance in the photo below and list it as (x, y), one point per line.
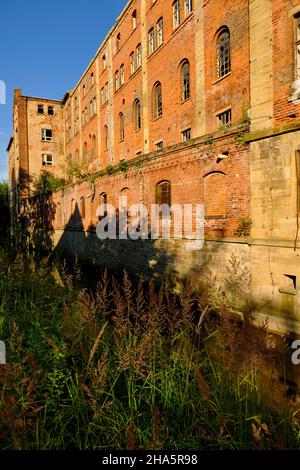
(45, 47)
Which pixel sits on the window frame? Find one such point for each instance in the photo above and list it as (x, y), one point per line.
(223, 59)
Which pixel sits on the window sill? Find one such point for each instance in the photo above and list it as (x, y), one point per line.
(156, 51)
(181, 25)
(184, 101)
(135, 72)
(157, 118)
(222, 78)
(104, 104)
(137, 130)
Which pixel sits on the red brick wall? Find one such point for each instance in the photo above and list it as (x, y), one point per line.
(187, 169)
(233, 90)
(284, 60)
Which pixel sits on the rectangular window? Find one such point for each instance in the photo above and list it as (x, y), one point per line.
(92, 79)
(132, 64)
(102, 96)
(94, 106)
(186, 135)
(160, 145)
(106, 92)
(176, 14)
(47, 135)
(224, 119)
(138, 56)
(122, 75)
(188, 7)
(160, 32)
(47, 160)
(104, 62)
(151, 44)
(117, 82)
(40, 109)
(50, 110)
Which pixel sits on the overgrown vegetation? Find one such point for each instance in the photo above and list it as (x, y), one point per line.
(47, 183)
(4, 208)
(127, 367)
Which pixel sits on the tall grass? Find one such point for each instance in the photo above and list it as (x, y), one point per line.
(127, 367)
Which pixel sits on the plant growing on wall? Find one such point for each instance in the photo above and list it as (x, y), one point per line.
(75, 169)
(244, 227)
(47, 183)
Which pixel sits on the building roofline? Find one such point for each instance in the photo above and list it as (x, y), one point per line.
(10, 144)
(103, 44)
(36, 98)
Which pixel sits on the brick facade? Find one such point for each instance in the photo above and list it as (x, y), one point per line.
(228, 141)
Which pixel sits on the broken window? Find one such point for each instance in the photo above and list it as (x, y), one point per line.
(40, 109)
(159, 145)
(223, 53)
(50, 110)
(186, 135)
(224, 119)
(47, 160)
(47, 135)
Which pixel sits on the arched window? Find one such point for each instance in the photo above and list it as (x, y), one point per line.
(82, 207)
(106, 137)
(118, 41)
(157, 100)
(185, 81)
(102, 212)
(223, 53)
(134, 20)
(85, 151)
(163, 193)
(94, 143)
(137, 114)
(121, 126)
(215, 197)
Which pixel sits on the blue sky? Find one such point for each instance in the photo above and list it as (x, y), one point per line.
(45, 47)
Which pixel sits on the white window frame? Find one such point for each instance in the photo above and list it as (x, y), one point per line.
(176, 14)
(44, 135)
(46, 161)
(160, 32)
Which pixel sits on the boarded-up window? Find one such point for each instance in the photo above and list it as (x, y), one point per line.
(163, 193)
(215, 197)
